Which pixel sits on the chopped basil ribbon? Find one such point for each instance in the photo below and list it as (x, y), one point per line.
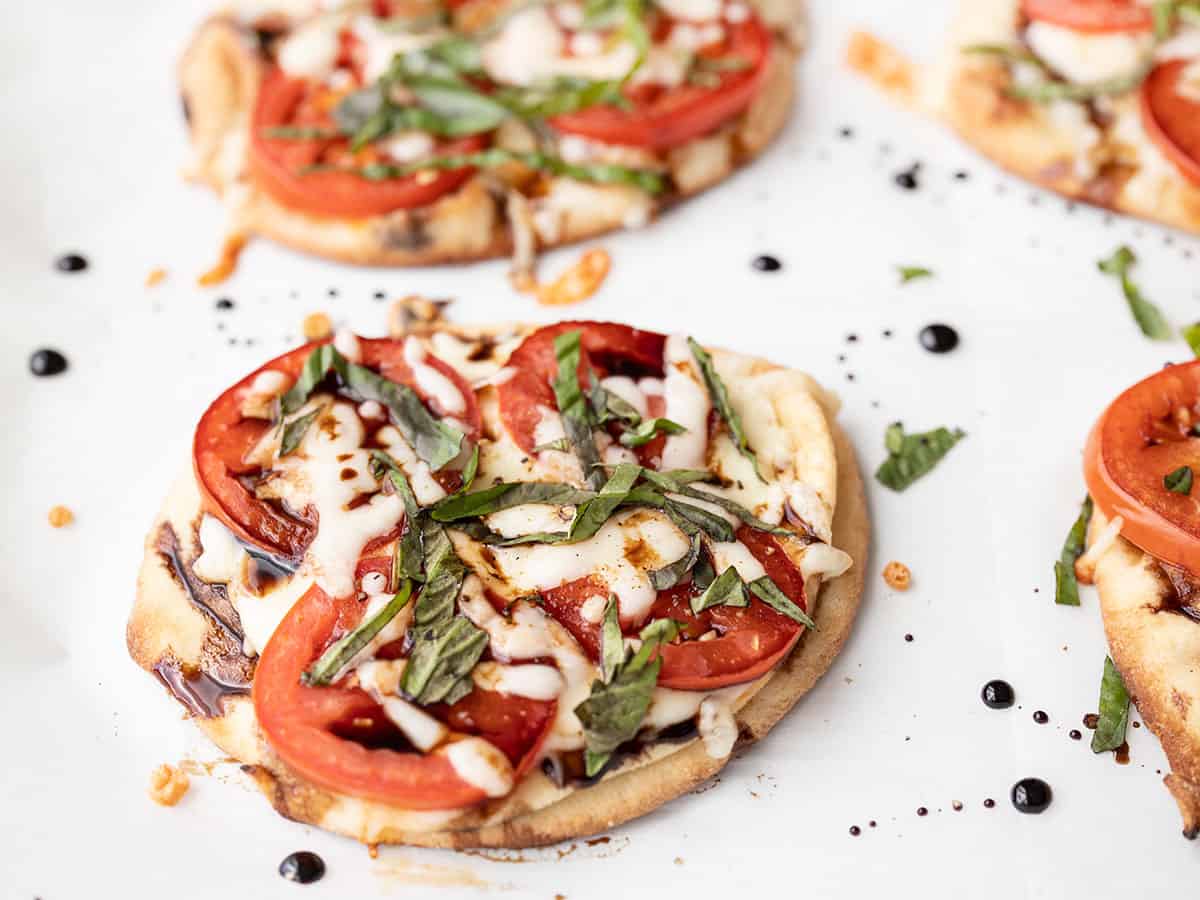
(672, 573)
(562, 445)
(912, 455)
(294, 431)
(1114, 710)
(690, 519)
(591, 516)
(612, 643)
(433, 441)
(727, 589)
(1049, 91)
(408, 561)
(1149, 318)
(1179, 481)
(771, 594)
(573, 407)
(613, 712)
(1191, 334)
(445, 646)
(340, 653)
(648, 429)
(720, 399)
(608, 406)
(671, 483)
(505, 496)
(1006, 52)
(1066, 586)
(299, 133)
(1168, 12)
(596, 173)
(913, 273)
(470, 470)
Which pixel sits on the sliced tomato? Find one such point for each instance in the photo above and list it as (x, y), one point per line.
(1144, 435)
(278, 164)
(661, 118)
(224, 438)
(750, 640)
(1096, 16)
(608, 348)
(1172, 119)
(338, 737)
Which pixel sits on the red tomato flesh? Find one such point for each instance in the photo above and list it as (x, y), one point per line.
(1171, 119)
(1095, 16)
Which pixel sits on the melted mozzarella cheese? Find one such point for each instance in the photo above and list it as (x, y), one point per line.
(1087, 58)
(260, 616)
(408, 146)
(736, 554)
(825, 561)
(481, 765)
(530, 518)
(531, 48)
(328, 472)
(380, 46)
(420, 476)
(621, 554)
(1189, 82)
(347, 344)
(221, 557)
(1185, 44)
(1085, 566)
(537, 682)
(433, 383)
(627, 389)
(687, 404)
(692, 10)
(422, 730)
(592, 609)
(312, 50)
(717, 727)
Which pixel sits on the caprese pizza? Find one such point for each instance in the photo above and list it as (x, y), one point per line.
(501, 587)
(1143, 552)
(406, 132)
(1098, 100)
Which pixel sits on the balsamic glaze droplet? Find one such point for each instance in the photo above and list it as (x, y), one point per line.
(871, 824)
(989, 803)
(907, 178)
(1031, 795)
(766, 263)
(303, 867)
(922, 811)
(962, 175)
(846, 132)
(1040, 717)
(855, 831)
(46, 362)
(998, 694)
(224, 304)
(1074, 734)
(938, 338)
(909, 638)
(71, 262)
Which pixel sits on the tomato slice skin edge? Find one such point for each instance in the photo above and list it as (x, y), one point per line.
(1124, 475)
(1158, 89)
(1091, 16)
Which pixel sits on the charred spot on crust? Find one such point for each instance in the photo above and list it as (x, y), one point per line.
(407, 231)
(1179, 591)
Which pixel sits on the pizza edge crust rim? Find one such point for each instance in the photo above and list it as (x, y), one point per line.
(1149, 645)
(219, 74)
(633, 790)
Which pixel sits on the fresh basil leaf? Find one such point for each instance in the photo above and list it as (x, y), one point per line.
(408, 561)
(1006, 52)
(674, 572)
(317, 365)
(612, 642)
(1191, 334)
(1164, 18)
(469, 110)
(695, 517)
(703, 575)
(470, 470)
(299, 133)
(727, 589)
(769, 593)
(1114, 710)
(505, 496)
(1066, 586)
(595, 173)
(649, 429)
(608, 406)
(1149, 317)
(573, 407)
(444, 575)
(591, 515)
(1179, 481)
(720, 400)
(294, 431)
(1054, 91)
(559, 97)
(916, 456)
(670, 482)
(676, 481)
(341, 652)
(913, 273)
(562, 445)
(613, 712)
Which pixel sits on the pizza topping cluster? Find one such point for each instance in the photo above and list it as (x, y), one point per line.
(601, 538)
(1119, 80)
(370, 108)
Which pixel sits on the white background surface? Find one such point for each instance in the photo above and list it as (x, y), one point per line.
(92, 148)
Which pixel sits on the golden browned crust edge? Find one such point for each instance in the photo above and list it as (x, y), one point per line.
(219, 75)
(164, 625)
(1156, 651)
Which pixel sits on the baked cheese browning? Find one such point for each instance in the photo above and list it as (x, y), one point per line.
(408, 135)
(465, 603)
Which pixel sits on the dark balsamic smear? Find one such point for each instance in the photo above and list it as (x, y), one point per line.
(922, 811)
(198, 692)
(46, 362)
(71, 262)
(989, 803)
(1121, 754)
(224, 304)
(909, 638)
(303, 867)
(1075, 734)
(766, 263)
(855, 831)
(871, 824)
(1040, 717)
(907, 178)
(1031, 795)
(1091, 720)
(938, 338)
(998, 694)
(887, 332)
